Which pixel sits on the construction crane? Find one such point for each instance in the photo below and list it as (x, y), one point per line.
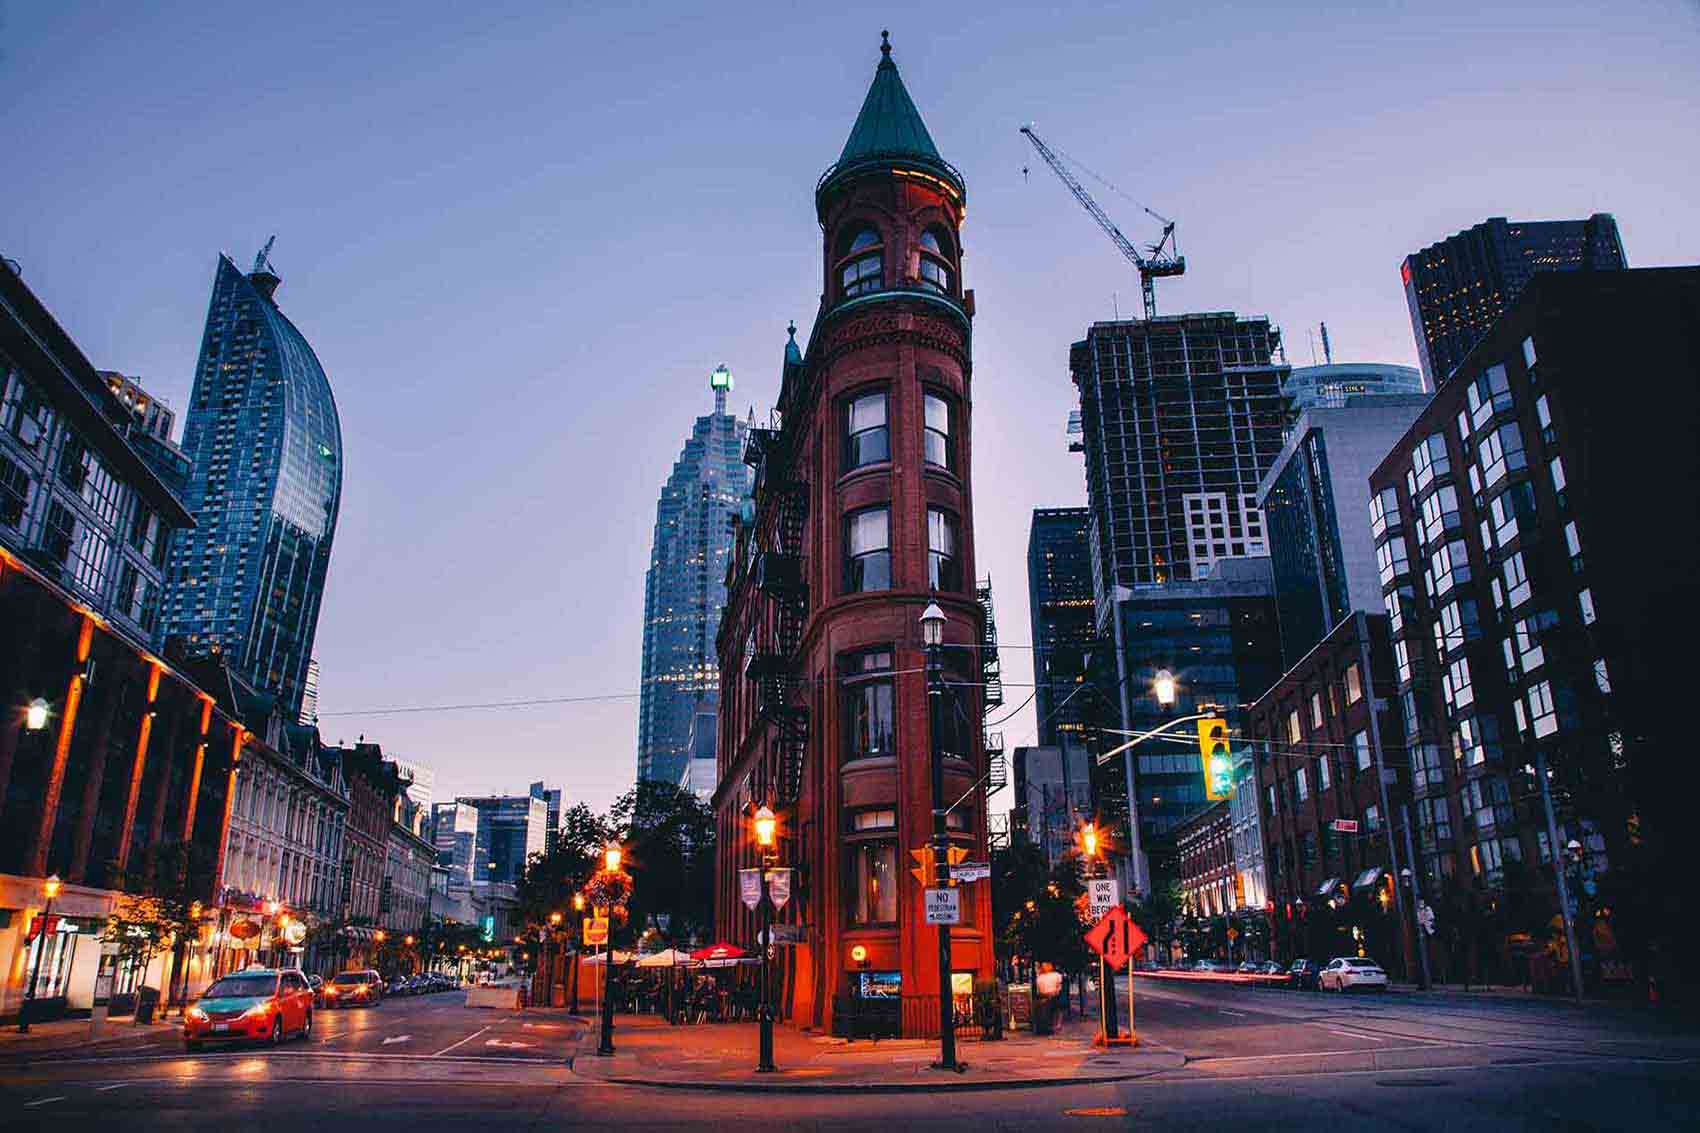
(1160, 259)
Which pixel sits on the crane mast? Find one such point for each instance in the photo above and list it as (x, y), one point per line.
(1162, 258)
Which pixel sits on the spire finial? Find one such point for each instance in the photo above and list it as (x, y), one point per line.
(792, 329)
(885, 43)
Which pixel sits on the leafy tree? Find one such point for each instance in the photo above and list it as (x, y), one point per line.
(668, 837)
(1050, 925)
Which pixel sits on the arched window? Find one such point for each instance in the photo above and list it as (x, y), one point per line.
(936, 259)
(861, 266)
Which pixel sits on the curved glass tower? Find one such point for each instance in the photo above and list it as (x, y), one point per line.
(265, 446)
(685, 588)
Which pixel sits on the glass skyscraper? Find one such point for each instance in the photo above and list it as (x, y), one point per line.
(685, 587)
(265, 449)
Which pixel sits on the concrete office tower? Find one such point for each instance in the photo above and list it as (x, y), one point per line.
(1457, 288)
(1181, 416)
(685, 587)
(265, 449)
(1315, 504)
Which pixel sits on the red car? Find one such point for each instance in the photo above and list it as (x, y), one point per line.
(346, 989)
(256, 1003)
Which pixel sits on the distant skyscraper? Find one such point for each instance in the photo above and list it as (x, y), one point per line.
(1457, 288)
(1328, 387)
(686, 586)
(1315, 503)
(1060, 605)
(421, 782)
(265, 448)
(552, 801)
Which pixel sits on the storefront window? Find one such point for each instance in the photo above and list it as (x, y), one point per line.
(874, 873)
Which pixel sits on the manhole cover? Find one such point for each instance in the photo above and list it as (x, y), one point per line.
(1411, 1082)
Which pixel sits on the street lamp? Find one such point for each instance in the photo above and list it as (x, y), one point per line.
(578, 910)
(1095, 866)
(1163, 687)
(932, 635)
(766, 827)
(35, 716)
(50, 890)
(611, 859)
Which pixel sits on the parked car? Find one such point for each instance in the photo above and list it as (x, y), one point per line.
(1270, 968)
(1212, 966)
(1302, 975)
(263, 1004)
(1344, 973)
(348, 989)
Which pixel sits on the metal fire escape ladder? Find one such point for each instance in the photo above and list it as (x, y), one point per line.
(991, 682)
(774, 664)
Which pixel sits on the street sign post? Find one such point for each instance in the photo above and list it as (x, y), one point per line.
(944, 906)
(596, 930)
(971, 871)
(1103, 894)
(1116, 939)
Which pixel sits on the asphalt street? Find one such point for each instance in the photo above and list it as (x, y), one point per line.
(1274, 1058)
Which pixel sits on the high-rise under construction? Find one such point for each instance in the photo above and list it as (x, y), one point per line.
(1181, 416)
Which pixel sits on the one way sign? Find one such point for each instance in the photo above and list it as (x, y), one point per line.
(1115, 937)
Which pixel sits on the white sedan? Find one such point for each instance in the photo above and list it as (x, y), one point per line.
(1344, 973)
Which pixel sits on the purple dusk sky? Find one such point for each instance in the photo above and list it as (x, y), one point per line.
(520, 236)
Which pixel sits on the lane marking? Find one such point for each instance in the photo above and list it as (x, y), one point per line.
(396, 1039)
(1354, 1035)
(505, 1044)
(1225, 1011)
(462, 1042)
(44, 1101)
(113, 1086)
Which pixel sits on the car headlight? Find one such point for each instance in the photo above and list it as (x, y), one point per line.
(197, 1014)
(259, 1010)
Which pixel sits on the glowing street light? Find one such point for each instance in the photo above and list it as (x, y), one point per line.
(35, 716)
(765, 826)
(1164, 688)
(611, 859)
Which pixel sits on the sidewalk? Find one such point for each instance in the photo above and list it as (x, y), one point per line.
(722, 1056)
(65, 1036)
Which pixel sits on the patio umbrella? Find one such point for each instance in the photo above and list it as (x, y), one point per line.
(602, 957)
(666, 959)
(719, 952)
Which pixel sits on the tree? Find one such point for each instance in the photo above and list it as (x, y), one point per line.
(1050, 925)
(668, 838)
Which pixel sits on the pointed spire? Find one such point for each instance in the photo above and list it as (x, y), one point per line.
(793, 355)
(888, 131)
(889, 124)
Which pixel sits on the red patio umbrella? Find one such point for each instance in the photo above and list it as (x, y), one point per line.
(719, 952)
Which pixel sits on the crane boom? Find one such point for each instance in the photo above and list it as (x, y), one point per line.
(1149, 268)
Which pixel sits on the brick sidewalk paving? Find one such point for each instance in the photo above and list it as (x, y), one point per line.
(722, 1056)
(69, 1035)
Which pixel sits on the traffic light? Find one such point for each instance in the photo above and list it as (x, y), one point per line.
(1217, 759)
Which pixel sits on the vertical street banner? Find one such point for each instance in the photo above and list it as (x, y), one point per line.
(749, 886)
(779, 887)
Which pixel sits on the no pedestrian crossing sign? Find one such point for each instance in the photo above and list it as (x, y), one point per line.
(944, 906)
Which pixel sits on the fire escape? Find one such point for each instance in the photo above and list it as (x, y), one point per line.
(991, 683)
(777, 571)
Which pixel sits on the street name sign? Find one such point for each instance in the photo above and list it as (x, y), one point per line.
(971, 871)
(944, 906)
(1344, 826)
(1104, 893)
(1115, 937)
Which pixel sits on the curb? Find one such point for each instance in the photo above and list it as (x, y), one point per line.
(942, 1085)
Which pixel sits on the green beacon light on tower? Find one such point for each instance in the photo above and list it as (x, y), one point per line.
(721, 378)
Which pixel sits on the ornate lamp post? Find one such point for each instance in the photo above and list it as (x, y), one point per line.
(49, 889)
(932, 635)
(609, 889)
(766, 827)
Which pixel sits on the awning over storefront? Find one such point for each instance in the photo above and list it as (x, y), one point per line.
(1368, 878)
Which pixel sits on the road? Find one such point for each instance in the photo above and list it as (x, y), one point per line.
(1275, 1059)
